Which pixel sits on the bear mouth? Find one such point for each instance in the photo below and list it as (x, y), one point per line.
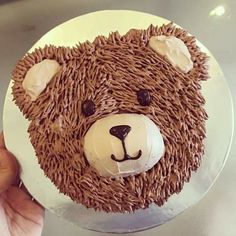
(121, 132)
(126, 156)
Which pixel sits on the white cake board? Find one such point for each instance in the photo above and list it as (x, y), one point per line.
(219, 128)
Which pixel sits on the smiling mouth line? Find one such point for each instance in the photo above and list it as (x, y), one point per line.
(121, 132)
(126, 155)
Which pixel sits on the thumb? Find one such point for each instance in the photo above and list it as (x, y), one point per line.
(8, 167)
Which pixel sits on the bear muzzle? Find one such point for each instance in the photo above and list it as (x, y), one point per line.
(121, 145)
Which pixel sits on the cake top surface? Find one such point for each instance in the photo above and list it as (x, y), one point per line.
(110, 73)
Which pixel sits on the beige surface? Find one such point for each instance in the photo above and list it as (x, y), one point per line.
(23, 22)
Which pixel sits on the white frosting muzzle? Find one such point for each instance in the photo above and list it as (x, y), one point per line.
(144, 136)
(174, 49)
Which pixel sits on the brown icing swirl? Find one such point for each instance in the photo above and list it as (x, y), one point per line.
(110, 71)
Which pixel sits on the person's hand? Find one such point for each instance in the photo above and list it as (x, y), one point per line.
(19, 215)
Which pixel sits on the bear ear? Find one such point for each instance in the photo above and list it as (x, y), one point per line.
(33, 75)
(200, 59)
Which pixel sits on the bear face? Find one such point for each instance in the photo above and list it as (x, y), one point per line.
(110, 73)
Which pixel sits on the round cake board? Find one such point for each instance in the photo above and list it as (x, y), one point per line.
(219, 132)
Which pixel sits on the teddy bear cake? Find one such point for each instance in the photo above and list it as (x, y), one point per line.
(117, 123)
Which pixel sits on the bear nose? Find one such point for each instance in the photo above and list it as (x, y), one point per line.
(120, 131)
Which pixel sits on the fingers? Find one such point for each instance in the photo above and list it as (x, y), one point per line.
(22, 187)
(24, 205)
(8, 168)
(2, 142)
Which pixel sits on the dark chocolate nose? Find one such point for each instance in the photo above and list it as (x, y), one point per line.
(120, 131)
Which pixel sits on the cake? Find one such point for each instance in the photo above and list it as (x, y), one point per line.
(117, 123)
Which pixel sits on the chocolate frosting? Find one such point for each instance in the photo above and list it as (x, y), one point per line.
(123, 65)
(144, 98)
(88, 108)
(121, 131)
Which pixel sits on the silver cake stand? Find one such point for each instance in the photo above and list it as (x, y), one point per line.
(219, 129)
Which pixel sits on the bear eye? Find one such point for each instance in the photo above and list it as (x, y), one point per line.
(144, 97)
(88, 108)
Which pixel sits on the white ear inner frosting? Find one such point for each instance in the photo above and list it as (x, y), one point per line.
(174, 49)
(38, 77)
